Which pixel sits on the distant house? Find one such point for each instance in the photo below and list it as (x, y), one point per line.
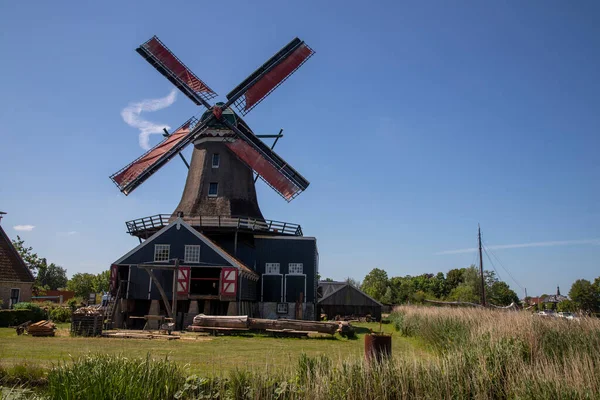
(541, 301)
(16, 280)
(342, 298)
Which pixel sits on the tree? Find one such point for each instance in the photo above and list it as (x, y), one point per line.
(47, 276)
(501, 295)
(101, 282)
(566, 306)
(454, 277)
(464, 292)
(375, 284)
(584, 295)
(51, 276)
(328, 280)
(82, 284)
(30, 258)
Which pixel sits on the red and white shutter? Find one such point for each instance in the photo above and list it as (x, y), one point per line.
(229, 282)
(114, 272)
(183, 280)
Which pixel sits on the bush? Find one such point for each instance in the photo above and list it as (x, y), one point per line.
(60, 314)
(38, 313)
(19, 316)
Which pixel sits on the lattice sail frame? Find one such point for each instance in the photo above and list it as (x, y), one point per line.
(260, 84)
(171, 67)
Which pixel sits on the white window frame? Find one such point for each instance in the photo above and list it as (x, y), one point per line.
(191, 250)
(162, 247)
(216, 156)
(268, 265)
(211, 194)
(296, 265)
(11, 304)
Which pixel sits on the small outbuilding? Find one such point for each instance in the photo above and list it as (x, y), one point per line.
(344, 299)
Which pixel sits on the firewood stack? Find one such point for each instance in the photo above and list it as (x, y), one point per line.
(42, 328)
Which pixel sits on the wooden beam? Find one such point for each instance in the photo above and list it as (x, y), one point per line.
(162, 292)
(174, 303)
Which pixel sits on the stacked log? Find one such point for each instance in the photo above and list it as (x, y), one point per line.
(42, 328)
(243, 323)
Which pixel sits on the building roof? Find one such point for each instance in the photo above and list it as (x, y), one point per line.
(181, 223)
(344, 293)
(12, 266)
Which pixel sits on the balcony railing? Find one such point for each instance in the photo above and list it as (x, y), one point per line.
(153, 223)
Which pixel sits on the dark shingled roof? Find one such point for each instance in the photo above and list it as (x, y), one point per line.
(12, 266)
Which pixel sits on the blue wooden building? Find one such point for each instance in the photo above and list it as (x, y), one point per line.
(261, 270)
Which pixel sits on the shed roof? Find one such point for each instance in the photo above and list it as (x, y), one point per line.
(12, 266)
(337, 293)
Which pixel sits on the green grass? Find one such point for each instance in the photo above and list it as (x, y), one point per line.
(199, 354)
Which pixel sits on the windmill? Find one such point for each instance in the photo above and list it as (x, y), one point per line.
(220, 179)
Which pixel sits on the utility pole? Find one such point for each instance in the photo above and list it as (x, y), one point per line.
(481, 269)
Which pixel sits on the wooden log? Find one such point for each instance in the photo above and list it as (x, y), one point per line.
(214, 321)
(292, 324)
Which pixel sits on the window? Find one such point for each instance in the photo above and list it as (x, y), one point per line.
(161, 252)
(271, 268)
(215, 160)
(192, 254)
(213, 189)
(296, 269)
(14, 297)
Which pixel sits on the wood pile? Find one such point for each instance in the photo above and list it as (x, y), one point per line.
(89, 310)
(243, 323)
(42, 328)
(83, 324)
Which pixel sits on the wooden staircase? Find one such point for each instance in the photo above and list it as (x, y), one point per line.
(111, 307)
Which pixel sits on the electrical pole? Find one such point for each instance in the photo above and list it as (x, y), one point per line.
(481, 269)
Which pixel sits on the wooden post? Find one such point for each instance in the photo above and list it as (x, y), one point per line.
(162, 292)
(175, 276)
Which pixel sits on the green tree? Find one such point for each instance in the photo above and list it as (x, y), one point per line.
(501, 295)
(101, 282)
(464, 292)
(47, 276)
(566, 306)
(82, 284)
(454, 277)
(584, 295)
(375, 284)
(51, 276)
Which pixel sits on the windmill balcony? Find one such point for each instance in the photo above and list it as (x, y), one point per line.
(145, 227)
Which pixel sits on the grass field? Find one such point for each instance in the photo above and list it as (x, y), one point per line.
(199, 353)
(438, 353)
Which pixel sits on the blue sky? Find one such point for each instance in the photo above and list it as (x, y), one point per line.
(414, 122)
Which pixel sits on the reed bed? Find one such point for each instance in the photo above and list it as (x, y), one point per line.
(471, 354)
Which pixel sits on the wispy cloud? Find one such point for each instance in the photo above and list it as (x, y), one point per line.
(69, 233)
(524, 245)
(24, 228)
(131, 116)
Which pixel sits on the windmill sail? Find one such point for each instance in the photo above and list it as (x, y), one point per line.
(272, 169)
(269, 76)
(167, 63)
(131, 176)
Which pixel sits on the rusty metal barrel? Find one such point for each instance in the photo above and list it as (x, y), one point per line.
(378, 347)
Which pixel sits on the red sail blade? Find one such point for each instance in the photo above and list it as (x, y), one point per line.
(270, 75)
(167, 63)
(273, 177)
(139, 170)
(276, 76)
